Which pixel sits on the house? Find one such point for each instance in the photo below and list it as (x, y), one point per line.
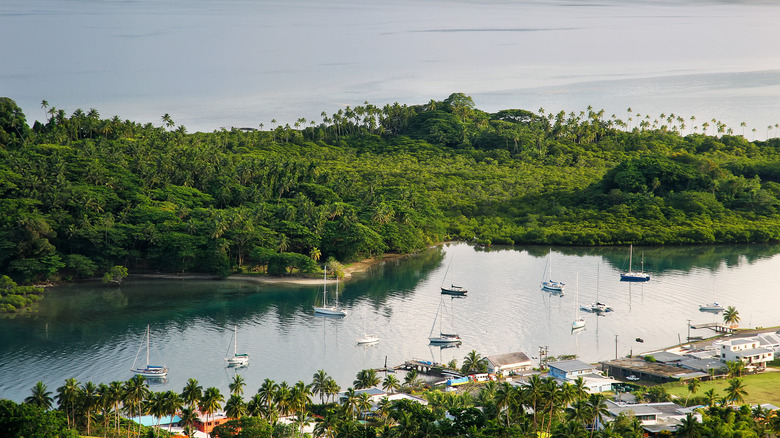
(508, 363)
(747, 350)
(655, 417)
(568, 371)
(770, 340)
(206, 424)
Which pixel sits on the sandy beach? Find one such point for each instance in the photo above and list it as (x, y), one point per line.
(349, 270)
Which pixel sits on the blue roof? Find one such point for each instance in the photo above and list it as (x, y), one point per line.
(148, 420)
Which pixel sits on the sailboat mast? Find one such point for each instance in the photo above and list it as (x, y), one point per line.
(630, 258)
(147, 346)
(235, 339)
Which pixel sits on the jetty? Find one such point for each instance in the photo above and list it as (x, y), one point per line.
(421, 366)
(718, 327)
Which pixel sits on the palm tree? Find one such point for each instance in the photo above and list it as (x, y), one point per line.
(173, 404)
(319, 381)
(505, 399)
(391, 384)
(44, 105)
(192, 393)
(67, 396)
(134, 393)
(88, 400)
(532, 393)
(366, 379)
(711, 396)
(731, 316)
(40, 396)
(115, 395)
(235, 407)
(256, 406)
(598, 409)
(267, 392)
(735, 393)
(332, 389)
(315, 253)
(689, 427)
(237, 385)
(156, 407)
(693, 387)
(473, 363)
(735, 368)
(211, 401)
(282, 398)
(300, 397)
(188, 417)
(351, 403)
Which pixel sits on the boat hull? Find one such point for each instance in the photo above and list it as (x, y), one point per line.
(329, 311)
(152, 372)
(367, 340)
(238, 360)
(634, 277)
(445, 338)
(454, 290)
(553, 286)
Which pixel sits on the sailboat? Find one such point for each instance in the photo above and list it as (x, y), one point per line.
(598, 306)
(237, 359)
(151, 371)
(442, 338)
(326, 310)
(551, 285)
(366, 339)
(579, 320)
(713, 307)
(631, 275)
(452, 289)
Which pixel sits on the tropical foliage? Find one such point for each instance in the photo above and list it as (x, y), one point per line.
(82, 194)
(542, 407)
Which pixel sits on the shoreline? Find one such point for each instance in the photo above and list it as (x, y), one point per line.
(349, 270)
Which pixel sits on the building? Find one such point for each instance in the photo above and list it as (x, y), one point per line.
(655, 417)
(746, 350)
(206, 423)
(508, 363)
(568, 371)
(647, 371)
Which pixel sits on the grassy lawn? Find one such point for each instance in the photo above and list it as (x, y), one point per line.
(761, 388)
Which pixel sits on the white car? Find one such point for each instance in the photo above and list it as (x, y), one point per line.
(633, 378)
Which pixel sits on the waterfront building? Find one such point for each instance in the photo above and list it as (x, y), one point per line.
(649, 371)
(508, 363)
(746, 350)
(570, 370)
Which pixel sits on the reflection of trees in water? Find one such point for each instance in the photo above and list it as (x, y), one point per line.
(659, 259)
(115, 298)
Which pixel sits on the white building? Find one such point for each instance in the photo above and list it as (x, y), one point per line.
(655, 417)
(747, 350)
(569, 370)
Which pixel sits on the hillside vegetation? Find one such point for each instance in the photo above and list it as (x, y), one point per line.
(82, 194)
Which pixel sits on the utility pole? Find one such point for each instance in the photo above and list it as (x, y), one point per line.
(616, 347)
(542, 354)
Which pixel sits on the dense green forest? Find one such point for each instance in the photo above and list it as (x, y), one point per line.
(81, 194)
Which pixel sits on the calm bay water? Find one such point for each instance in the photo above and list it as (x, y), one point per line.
(92, 332)
(213, 64)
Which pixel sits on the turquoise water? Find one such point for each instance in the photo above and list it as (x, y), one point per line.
(92, 332)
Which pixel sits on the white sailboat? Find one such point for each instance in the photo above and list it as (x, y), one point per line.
(598, 306)
(550, 284)
(452, 289)
(237, 359)
(631, 275)
(579, 320)
(326, 310)
(367, 339)
(442, 338)
(151, 371)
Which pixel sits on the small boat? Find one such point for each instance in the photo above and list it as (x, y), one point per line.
(442, 338)
(598, 307)
(151, 371)
(237, 359)
(550, 284)
(640, 340)
(326, 310)
(367, 339)
(631, 275)
(711, 307)
(452, 289)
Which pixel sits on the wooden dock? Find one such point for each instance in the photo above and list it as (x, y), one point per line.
(718, 327)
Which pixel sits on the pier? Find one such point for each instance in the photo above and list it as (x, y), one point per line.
(421, 366)
(718, 327)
